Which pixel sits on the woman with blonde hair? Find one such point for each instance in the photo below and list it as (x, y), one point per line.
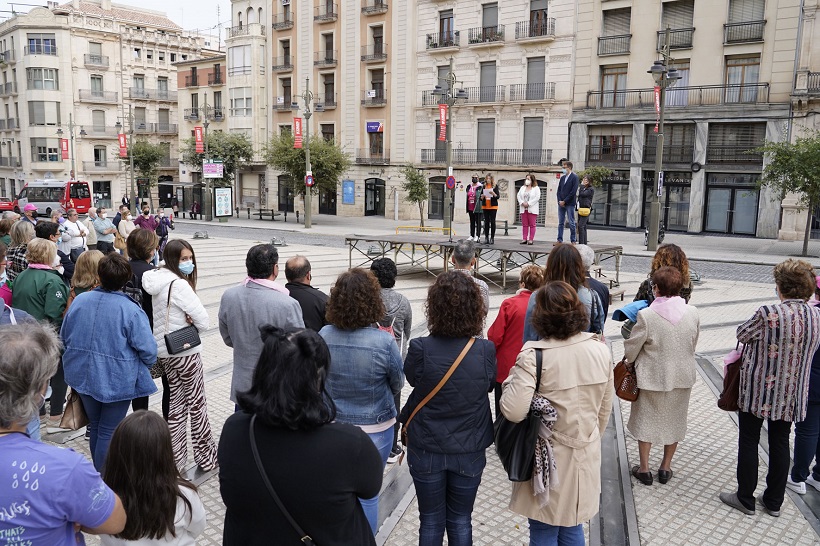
(21, 233)
(86, 275)
(489, 208)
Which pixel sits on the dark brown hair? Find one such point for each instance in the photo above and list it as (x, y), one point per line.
(141, 244)
(564, 263)
(454, 306)
(673, 256)
(558, 313)
(355, 300)
(5, 226)
(532, 276)
(114, 271)
(668, 280)
(171, 254)
(795, 279)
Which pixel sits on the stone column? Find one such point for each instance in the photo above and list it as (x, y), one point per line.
(635, 206)
(697, 195)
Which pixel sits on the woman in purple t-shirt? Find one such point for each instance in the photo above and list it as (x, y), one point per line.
(34, 477)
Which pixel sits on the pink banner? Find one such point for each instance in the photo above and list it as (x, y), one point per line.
(657, 106)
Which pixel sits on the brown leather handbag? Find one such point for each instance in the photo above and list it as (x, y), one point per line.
(626, 383)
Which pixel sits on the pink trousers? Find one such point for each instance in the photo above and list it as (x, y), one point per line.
(528, 220)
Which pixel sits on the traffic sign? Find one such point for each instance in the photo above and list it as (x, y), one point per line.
(309, 180)
(451, 182)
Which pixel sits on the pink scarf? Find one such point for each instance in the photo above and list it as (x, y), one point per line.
(267, 284)
(39, 266)
(671, 309)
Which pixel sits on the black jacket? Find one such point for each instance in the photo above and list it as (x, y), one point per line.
(494, 200)
(585, 196)
(457, 419)
(313, 303)
(602, 291)
(139, 267)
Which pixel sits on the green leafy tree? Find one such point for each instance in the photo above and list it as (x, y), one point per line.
(147, 157)
(794, 168)
(234, 149)
(416, 187)
(597, 174)
(327, 161)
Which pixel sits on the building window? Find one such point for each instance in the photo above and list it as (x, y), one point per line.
(137, 53)
(613, 84)
(239, 60)
(610, 144)
(445, 28)
(162, 87)
(45, 149)
(615, 37)
(218, 100)
(533, 141)
(100, 156)
(173, 57)
(742, 75)
(328, 131)
(98, 120)
(377, 82)
(285, 130)
(328, 82)
(538, 17)
(42, 44)
(194, 101)
(96, 85)
(42, 78)
(286, 91)
(43, 113)
(486, 141)
(378, 39)
(241, 101)
(376, 144)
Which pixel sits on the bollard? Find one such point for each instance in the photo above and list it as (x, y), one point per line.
(297, 216)
(286, 215)
(506, 227)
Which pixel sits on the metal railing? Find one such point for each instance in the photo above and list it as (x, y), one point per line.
(485, 35)
(327, 57)
(611, 154)
(487, 93)
(813, 82)
(374, 97)
(103, 165)
(191, 81)
(677, 97)
(215, 78)
(440, 40)
(151, 94)
(252, 29)
(92, 95)
(285, 104)
(429, 99)
(327, 101)
(216, 113)
(538, 29)
(492, 156)
(371, 7)
(741, 155)
(190, 113)
(168, 163)
(42, 49)
(282, 21)
(100, 130)
(614, 45)
(374, 52)
(165, 128)
(532, 91)
(671, 154)
(748, 31)
(282, 63)
(366, 156)
(679, 38)
(95, 60)
(326, 12)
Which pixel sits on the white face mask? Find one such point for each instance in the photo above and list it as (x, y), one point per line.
(128, 217)
(3, 277)
(104, 215)
(56, 262)
(527, 182)
(162, 215)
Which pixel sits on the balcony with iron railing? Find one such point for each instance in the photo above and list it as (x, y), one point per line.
(492, 156)
(192, 80)
(284, 103)
(486, 36)
(733, 154)
(216, 113)
(679, 38)
(165, 128)
(8, 56)
(374, 53)
(813, 82)
(373, 98)
(443, 41)
(681, 97)
(680, 153)
(328, 101)
(102, 165)
(95, 61)
(41, 49)
(487, 93)
(100, 131)
(739, 33)
(251, 29)
(282, 63)
(93, 95)
(151, 94)
(614, 45)
(216, 78)
(609, 154)
(326, 12)
(535, 30)
(10, 162)
(374, 7)
(532, 91)
(282, 21)
(190, 114)
(366, 156)
(327, 57)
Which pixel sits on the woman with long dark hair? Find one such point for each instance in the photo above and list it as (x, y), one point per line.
(318, 466)
(176, 305)
(162, 507)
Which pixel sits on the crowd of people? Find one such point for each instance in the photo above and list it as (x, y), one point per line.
(317, 381)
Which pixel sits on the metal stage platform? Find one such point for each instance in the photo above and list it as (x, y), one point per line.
(418, 250)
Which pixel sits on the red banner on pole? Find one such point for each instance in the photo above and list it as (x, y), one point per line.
(200, 144)
(297, 132)
(123, 145)
(657, 106)
(64, 147)
(442, 118)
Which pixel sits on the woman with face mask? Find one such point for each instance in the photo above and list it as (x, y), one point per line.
(474, 208)
(173, 291)
(528, 198)
(585, 194)
(146, 220)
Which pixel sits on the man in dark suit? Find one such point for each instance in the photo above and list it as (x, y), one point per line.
(312, 300)
(567, 190)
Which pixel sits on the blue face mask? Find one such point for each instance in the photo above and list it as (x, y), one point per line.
(563, 171)
(186, 267)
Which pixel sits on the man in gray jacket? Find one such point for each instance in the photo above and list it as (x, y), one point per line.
(254, 303)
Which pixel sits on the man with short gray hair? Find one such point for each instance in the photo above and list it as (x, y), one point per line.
(588, 257)
(464, 260)
(10, 215)
(91, 238)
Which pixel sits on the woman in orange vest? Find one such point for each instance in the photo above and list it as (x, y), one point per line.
(490, 208)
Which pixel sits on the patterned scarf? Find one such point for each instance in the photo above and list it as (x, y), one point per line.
(545, 474)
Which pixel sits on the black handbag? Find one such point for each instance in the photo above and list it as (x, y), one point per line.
(183, 339)
(515, 442)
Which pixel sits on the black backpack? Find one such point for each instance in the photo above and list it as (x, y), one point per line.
(133, 289)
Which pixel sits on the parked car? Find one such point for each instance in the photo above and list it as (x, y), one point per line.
(6, 204)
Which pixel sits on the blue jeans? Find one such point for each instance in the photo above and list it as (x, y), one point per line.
(807, 444)
(384, 443)
(446, 487)
(544, 534)
(566, 213)
(103, 418)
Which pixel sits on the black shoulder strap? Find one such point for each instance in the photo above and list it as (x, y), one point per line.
(305, 538)
(539, 358)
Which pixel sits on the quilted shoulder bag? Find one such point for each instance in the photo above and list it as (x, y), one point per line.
(626, 382)
(183, 339)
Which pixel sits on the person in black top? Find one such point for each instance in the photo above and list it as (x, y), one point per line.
(51, 232)
(312, 300)
(585, 194)
(317, 467)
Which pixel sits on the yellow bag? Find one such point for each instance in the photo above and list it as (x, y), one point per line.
(584, 211)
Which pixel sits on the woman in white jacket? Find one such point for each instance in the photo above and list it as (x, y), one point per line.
(528, 197)
(172, 288)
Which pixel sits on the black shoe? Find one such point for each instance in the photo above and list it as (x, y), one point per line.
(492, 241)
(486, 240)
(773, 513)
(643, 477)
(664, 475)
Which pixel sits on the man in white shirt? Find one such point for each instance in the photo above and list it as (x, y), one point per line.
(78, 233)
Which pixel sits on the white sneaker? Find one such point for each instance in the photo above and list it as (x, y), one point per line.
(812, 482)
(797, 487)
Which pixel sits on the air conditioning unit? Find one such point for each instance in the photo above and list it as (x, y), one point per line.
(285, 2)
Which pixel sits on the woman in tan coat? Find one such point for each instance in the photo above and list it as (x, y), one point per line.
(576, 378)
(662, 346)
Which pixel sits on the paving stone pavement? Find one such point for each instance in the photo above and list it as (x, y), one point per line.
(684, 512)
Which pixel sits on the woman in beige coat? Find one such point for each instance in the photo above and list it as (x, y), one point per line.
(662, 346)
(576, 378)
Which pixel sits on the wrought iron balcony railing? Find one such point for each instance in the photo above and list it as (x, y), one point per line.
(532, 91)
(373, 7)
(614, 45)
(679, 38)
(366, 156)
(100, 61)
(443, 40)
(737, 33)
(681, 97)
(525, 30)
(374, 53)
(486, 35)
(492, 156)
(609, 154)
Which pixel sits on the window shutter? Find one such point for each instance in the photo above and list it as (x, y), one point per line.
(536, 5)
(741, 11)
(486, 134)
(489, 16)
(737, 134)
(677, 15)
(616, 21)
(533, 133)
(536, 68)
(488, 74)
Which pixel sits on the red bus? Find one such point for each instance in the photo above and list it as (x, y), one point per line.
(51, 195)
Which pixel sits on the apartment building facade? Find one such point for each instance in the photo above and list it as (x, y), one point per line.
(736, 59)
(76, 70)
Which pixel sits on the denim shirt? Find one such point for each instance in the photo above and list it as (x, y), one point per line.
(365, 374)
(109, 347)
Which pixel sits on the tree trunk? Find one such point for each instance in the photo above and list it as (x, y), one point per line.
(421, 213)
(807, 235)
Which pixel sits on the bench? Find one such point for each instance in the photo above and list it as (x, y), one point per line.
(263, 213)
(616, 293)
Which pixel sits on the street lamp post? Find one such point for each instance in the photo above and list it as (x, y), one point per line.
(307, 97)
(664, 77)
(208, 202)
(450, 98)
(71, 127)
(118, 125)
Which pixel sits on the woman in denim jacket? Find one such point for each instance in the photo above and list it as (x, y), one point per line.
(367, 369)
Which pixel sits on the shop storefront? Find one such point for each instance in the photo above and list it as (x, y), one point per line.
(611, 201)
(675, 198)
(731, 203)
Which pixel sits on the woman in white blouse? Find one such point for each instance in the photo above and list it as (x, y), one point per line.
(528, 197)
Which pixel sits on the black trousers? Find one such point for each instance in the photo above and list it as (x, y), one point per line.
(747, 460)
(489, 223)
(582, 229)
(475, 224)
(58, 390)
(397, 426)
(142, 402)
(105, 247)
